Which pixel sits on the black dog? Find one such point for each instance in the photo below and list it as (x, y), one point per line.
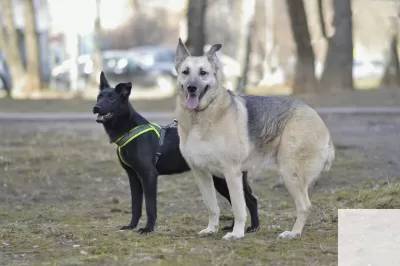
(144, 157)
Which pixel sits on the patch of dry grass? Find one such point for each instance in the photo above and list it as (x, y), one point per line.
(63, 197)
(75, 233)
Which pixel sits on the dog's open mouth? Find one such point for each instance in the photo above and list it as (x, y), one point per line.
(103, 118)
(193, 99)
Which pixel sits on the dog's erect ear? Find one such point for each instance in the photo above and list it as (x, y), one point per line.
(181, 53)
(212, 56)
(215, 48)
(103, 81)
(124, 89)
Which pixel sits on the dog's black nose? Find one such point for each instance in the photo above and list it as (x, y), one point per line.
(96, 109)
(192, 89)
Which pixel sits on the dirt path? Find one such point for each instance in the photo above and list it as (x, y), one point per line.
(372, 143)
(370, 98)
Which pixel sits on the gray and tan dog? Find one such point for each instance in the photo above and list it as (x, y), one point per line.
(222, 133)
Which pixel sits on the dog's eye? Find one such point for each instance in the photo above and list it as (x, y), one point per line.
(99, 97)
(111, 98)
(203, 73)
(185, 72)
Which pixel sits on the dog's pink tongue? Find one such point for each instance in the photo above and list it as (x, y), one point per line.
(192, 101)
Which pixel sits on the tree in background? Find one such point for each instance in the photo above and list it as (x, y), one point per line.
(338, 67)
(4, 48)
(321, 18)
(32, 47)
(241, 86)
(391, 77)
(96, 53)
(245, 41)
(196, 26)
(10, 45)
(264, 42)
(304, 80)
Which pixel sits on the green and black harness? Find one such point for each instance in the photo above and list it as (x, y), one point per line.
(139, 130)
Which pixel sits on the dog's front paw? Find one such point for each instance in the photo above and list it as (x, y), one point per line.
(208, 231)
(128, 227)
(289, 235)
(252, 229)
(145, 230)
(232, 236)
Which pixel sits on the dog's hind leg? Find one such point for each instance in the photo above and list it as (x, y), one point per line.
(251, 202)
(298, 171)
(252, 205)
(222, 188)
(206, 185)
(301, 157)
(235, 184)
(299, 192)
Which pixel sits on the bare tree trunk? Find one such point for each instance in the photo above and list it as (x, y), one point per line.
(246, 68)
(196, 26)
(304, 80)
(11, 48)
(391, 77)
(259, 42)
(32, 47)
(321, 18)
(338, 67)
(244, 50)
(270, 55)
(96, 54)
(4, 48)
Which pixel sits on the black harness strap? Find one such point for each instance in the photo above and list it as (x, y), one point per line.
(163, 129)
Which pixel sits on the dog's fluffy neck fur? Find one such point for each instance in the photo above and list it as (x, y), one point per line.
(123, 123)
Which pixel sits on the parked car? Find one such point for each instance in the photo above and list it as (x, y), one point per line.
(119, 66)
(368, 69)
(145, 67)
(362, 68)
(156, 57)
(159, 64)
(61, 73)
(5, 75)
(162, 59)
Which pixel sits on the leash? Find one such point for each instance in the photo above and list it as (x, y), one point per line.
(139, 130)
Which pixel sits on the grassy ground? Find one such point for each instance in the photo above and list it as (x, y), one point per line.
(78, 233)
(376, 97)
(63, 197)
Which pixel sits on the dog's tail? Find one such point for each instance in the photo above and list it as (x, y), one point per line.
(330, 155)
